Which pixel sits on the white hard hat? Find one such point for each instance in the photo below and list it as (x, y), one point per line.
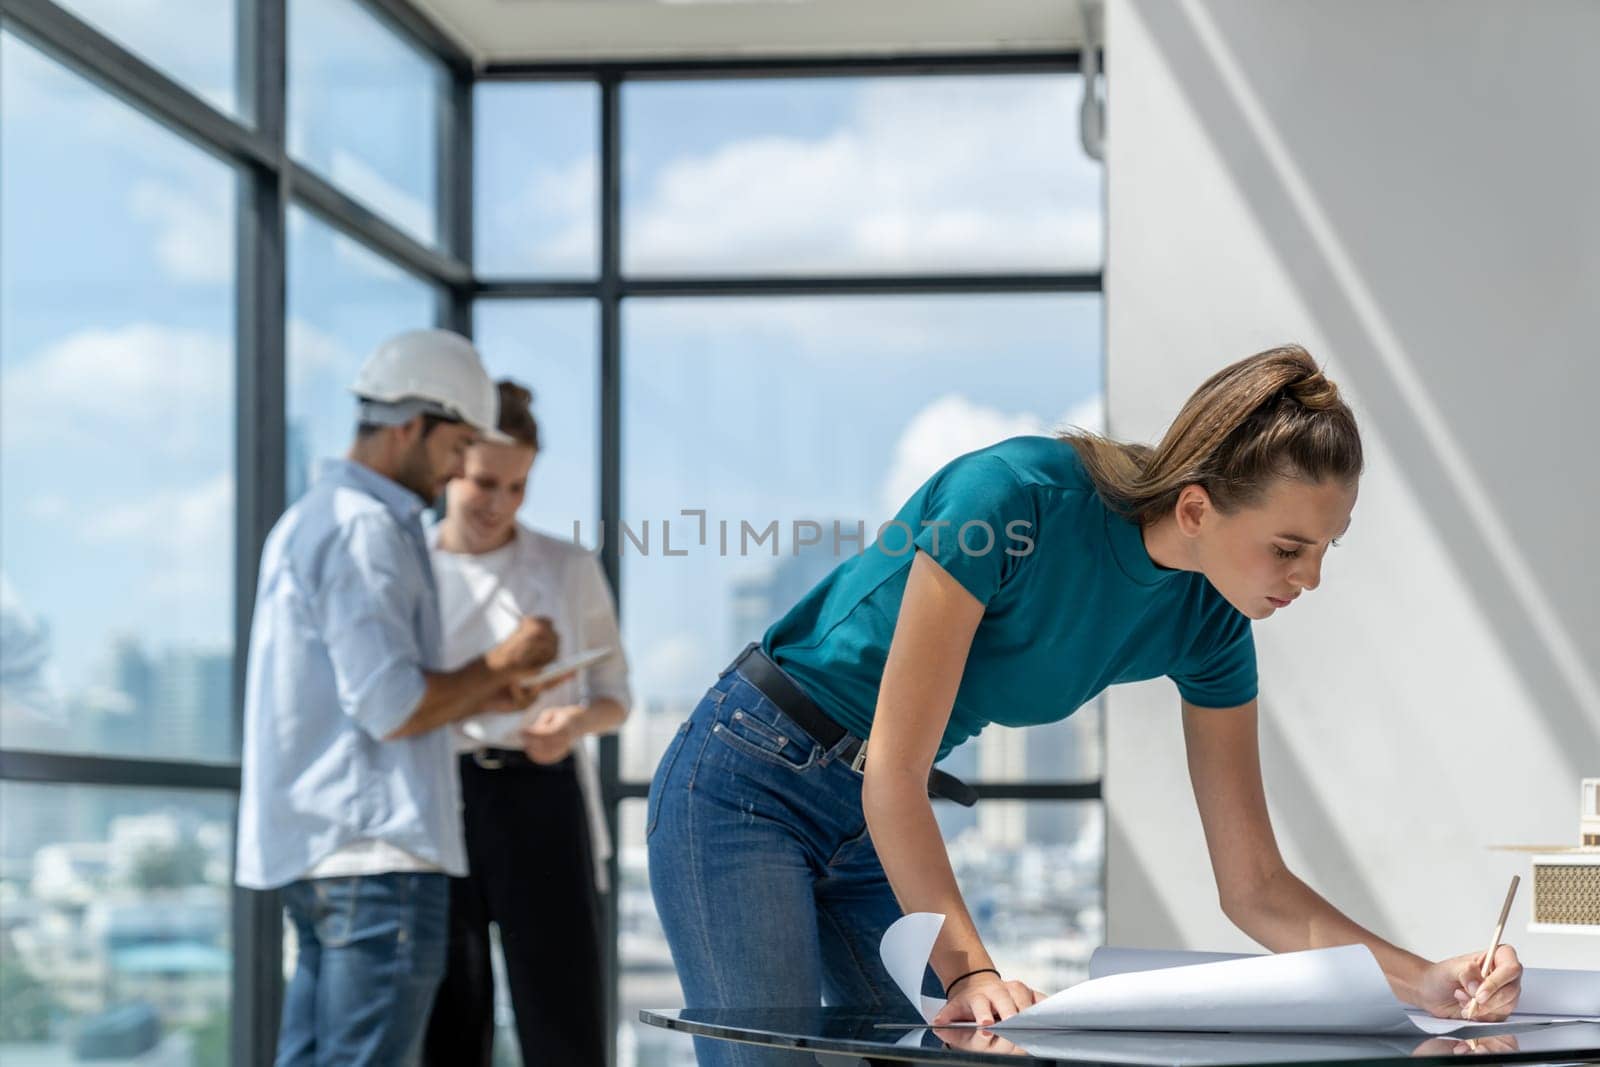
(436, 366)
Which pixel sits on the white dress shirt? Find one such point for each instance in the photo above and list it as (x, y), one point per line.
(481, 599)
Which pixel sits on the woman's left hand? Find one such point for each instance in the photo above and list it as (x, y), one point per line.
(978, 1041)
(550, 737)
(1452, 989)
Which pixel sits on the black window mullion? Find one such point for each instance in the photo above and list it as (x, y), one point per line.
(537, 288)
(610, 294)
(731, 68)
(71, 768)
(365, 226)
(454, 153)
(261, 407)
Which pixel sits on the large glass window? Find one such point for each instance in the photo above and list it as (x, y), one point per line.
(1030, 871)
(779, 416)
(192, 41)
(120, 283)
(646, 977)
(121, 278)
(114, 925)
(343, 300)
(791, 415)
(848, 175)
(117, 422)
(363, 110)
(537, 177)
(550, 347)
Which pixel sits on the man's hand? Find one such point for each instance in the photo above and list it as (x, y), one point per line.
(531, 645)
(550, 737)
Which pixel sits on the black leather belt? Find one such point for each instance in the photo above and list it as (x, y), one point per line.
(494, 759)
(757, 668)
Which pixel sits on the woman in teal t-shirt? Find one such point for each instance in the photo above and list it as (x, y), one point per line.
(1014, 586)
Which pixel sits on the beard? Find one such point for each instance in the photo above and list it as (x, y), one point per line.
(417, 474)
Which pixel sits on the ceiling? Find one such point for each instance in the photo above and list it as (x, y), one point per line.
(508, 31)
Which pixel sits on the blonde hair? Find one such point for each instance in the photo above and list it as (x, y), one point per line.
(1272, 415)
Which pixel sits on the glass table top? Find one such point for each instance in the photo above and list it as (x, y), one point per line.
(853, 1033)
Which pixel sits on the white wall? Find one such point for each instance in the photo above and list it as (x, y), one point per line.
(1412, 191)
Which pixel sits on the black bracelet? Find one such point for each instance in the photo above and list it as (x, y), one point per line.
(969, 974)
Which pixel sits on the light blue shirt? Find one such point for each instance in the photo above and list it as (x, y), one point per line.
(346, 621)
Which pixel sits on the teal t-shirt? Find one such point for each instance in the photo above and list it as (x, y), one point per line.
(1072, 601)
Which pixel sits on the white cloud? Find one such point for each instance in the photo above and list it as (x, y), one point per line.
(182, 193)
(168, 388)
(312, 352)
(830, 332)
(946, 428)
(194, 238)
(565, 193)
(162, 386)
(1088, 414)
(184, 535)
(182, 519)
(47, 508)
(941, 174)
(952, 426)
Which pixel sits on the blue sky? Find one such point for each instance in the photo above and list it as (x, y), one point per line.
(116, 311)
(116, 369)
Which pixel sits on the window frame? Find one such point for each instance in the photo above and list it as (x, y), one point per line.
(269, 180)
(612, 286)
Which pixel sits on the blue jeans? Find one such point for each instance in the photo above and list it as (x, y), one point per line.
(764, 876)
(372, 952)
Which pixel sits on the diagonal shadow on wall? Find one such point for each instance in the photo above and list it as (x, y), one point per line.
(1131, 892)
(1331, 865)
(1557, 688)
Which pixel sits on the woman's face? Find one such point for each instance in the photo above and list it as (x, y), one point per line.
(1261, 558)
(483, 502)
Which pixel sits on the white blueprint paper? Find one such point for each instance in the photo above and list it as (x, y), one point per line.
(906, 948)
(1545, 991)
(1328, 991)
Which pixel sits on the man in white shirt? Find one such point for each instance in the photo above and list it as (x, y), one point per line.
(349, 800)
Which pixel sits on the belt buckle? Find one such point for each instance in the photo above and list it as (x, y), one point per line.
(859, 760)
(489, 763)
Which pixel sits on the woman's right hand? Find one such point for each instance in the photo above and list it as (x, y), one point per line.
(986, 999)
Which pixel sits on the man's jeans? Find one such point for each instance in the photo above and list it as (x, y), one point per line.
(372, 952)
(764, 876)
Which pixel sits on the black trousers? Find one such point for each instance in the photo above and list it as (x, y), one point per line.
(530, 868)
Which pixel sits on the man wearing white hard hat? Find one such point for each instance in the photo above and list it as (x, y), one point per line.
(349, 801)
